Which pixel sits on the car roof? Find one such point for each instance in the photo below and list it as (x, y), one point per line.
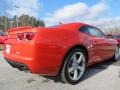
(70, 26)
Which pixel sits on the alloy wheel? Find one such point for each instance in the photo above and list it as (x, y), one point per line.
(76, 66)
(117, 53)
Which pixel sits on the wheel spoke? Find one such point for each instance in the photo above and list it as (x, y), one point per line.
(81, 68)
(74, 58)
(75, 76)
(80, 58)
(70, 69)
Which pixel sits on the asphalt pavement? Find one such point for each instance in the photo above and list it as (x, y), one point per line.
(103, 76)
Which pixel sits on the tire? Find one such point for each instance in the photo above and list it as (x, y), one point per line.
(116, 54)
(74, 66)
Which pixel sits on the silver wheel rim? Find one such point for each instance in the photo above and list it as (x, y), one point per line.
(76, 66)
(117, 53)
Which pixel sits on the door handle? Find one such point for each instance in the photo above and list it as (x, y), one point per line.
(94, 41)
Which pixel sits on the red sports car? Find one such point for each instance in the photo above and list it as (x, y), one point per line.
(117, 37)
(64, 50)
(3, 37)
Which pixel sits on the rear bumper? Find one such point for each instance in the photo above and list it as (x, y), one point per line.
(38, 64)
(39, 58)
(22, 63)
(20, 66)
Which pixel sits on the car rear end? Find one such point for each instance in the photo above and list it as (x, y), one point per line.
(19, 49)
(3, 37)
(38, 50)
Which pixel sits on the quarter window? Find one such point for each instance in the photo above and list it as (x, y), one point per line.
(95, 32)
(92, 31)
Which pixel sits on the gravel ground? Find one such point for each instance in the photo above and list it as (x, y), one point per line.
(103, 76)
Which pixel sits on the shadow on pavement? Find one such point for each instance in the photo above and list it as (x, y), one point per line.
(1, 49)
(97, 68)
(90, 71)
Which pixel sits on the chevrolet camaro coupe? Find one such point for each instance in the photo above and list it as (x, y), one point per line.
(65, 50)
(3, 37)
(117, 37)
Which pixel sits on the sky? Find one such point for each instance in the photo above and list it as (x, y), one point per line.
(65, 11)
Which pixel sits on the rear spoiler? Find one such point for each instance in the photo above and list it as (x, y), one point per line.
(19, 28)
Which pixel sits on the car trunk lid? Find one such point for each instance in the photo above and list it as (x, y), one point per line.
(12, 33)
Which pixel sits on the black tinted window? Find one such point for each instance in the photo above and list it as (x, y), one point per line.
(84, 29)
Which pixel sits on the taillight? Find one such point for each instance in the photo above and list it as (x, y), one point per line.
(25, 36)
(20, 36)
(30, 35)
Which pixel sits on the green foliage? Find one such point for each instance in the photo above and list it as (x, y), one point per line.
(23, 20)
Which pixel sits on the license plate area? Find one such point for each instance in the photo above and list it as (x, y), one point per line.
(7, 49)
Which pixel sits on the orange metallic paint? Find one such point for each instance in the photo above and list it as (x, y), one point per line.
(45, 53)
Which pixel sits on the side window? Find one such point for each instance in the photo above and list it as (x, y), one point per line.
(84, 29)
(95, 32)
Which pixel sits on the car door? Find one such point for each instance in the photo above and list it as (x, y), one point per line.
(98, 43)
(110, 47)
